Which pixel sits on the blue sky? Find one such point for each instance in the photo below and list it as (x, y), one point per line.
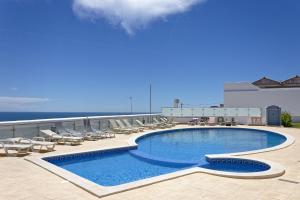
(78, 55)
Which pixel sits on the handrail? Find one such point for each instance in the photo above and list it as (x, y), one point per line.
(41, 121)
(212, 112)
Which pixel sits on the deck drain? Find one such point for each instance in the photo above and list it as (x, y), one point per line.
(289, 181)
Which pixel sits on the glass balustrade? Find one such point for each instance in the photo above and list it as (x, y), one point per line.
(31, 128)
(212, 112)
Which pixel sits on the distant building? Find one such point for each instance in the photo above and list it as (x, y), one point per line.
(263, 93)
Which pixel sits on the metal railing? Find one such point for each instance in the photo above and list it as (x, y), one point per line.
(211, 112)
(31, 128)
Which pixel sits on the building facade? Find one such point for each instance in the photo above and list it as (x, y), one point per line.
(263, 93)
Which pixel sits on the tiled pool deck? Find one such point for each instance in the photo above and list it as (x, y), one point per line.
(21, 179)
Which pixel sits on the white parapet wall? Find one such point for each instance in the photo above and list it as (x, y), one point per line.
(248, 95)
(31, 128)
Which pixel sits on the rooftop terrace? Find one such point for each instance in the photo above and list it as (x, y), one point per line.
(24, 180)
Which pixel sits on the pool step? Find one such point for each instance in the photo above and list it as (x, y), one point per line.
(160, 161)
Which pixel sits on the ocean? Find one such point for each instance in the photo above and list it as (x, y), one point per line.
(14, 116)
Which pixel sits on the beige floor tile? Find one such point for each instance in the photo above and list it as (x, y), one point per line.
(32, 182)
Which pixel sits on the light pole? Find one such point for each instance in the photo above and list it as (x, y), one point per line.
(150, 104)
(131, 118)
(130, 98)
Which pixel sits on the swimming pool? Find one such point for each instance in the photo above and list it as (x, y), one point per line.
(169, 151)
(193, 144)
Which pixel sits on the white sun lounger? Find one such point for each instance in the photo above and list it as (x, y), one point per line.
(118, 129)
(127, 123)
(9, 145)
(62, 139)
(91, 132)
(61, 130)
(167, 122)
(39, 142)
(86, 135)
(94, 135)
(104, 133)
(161, 124)
(123, 126)
(149, 126)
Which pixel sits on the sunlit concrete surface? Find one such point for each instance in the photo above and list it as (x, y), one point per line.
(21, 179)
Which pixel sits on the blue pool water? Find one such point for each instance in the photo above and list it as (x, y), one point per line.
(193, 145)
(167, 152)
(114, 168)
(236, 165)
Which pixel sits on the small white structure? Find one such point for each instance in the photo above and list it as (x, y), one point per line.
(176, 103)
(263, 93)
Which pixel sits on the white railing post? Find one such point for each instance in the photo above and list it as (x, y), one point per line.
(38, 130)
(13, 131)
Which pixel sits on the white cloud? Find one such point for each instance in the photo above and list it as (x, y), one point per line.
(131, 14)
(19, 103)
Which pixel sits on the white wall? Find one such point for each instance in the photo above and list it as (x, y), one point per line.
(248, 95)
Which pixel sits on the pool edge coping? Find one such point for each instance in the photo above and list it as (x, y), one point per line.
(101, 191)
(289, 139)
